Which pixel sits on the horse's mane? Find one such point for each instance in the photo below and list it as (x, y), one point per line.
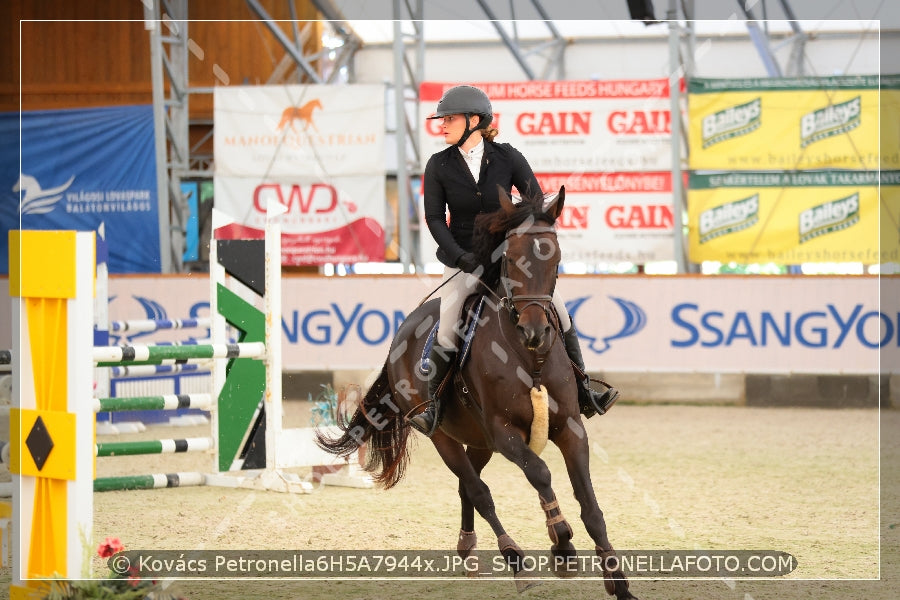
(491, 228)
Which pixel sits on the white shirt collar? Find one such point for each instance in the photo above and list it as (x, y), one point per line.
(473, 158)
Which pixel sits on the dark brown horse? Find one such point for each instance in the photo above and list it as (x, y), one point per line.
(516, 390)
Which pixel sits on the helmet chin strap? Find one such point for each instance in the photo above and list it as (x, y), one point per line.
(466, 134)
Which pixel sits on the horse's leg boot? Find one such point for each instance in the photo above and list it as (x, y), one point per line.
(590, 402)
(440, 360)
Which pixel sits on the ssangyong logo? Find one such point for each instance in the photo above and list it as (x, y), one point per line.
(829, 121)
(634, 321)
(732, 122)
(729, 218)
(831, 216)
(37, 201)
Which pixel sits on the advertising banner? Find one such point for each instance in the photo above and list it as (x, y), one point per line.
(889, 207)
(571, 126)
(317, 149)
(614, 217)
(82, 168)
(739, 324)
(338, 221)
(788, 124)
(299, 130)
(788, 217)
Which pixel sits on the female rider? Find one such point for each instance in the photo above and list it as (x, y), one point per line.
(463, 179)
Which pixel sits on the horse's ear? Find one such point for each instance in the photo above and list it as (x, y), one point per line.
(506, 202)
(556, 205)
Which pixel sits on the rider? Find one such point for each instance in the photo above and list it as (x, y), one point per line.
(464, 178)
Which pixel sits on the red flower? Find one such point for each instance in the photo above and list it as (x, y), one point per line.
(109, 547)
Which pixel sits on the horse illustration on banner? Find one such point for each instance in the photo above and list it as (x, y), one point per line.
(303, 113)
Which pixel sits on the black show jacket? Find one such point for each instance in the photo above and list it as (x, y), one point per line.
(448, 184)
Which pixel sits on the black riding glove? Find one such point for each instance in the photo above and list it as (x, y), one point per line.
(467, 262)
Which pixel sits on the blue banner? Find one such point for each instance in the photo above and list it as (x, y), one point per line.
(81, 168)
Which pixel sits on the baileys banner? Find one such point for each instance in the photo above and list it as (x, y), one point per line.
(793, 217)
(793, 123)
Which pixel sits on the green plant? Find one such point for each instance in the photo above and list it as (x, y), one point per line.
(126, 586)
(324, 410)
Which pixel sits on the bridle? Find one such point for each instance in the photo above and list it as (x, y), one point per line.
(510, 298)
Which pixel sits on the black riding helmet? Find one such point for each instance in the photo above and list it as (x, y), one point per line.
(465, 100)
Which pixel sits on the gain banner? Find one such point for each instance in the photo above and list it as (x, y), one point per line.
(571, 126)
(614, 217)
(789, 217)
(791, 123)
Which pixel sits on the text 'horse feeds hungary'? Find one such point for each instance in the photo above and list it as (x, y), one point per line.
(515, 391)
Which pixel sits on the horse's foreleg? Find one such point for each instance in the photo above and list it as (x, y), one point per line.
(466, 543)
(538, 475)
(576, 454)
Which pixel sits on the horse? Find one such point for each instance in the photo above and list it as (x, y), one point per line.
(516, 392)
(303, 113)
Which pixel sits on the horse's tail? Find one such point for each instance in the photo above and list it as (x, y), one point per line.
(378, 423)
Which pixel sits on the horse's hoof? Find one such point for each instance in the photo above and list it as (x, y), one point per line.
(525, 580)
(565, 566)
(563, 551)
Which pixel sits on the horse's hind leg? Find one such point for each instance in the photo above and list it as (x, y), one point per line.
(576, 454)
(478, 493)
(478, 457)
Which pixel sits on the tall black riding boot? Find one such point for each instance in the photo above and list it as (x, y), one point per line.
(440, 360)
(590, 402)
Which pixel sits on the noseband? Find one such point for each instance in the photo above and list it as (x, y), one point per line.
(510, 299)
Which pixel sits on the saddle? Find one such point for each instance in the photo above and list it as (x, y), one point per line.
(472, 308)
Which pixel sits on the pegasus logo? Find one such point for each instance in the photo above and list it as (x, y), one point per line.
(635, 321)
(36, 201)
(303, 113)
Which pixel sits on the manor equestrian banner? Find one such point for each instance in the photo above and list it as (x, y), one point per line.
(317, 149)
(571, 126)
(299, 130)
(791, 217)
(792, 123)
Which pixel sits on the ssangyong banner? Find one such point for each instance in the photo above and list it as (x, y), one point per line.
(572, 126)
(737, 324)
(299, 130)
(789, 217)
(614, 217)
(336, 221)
